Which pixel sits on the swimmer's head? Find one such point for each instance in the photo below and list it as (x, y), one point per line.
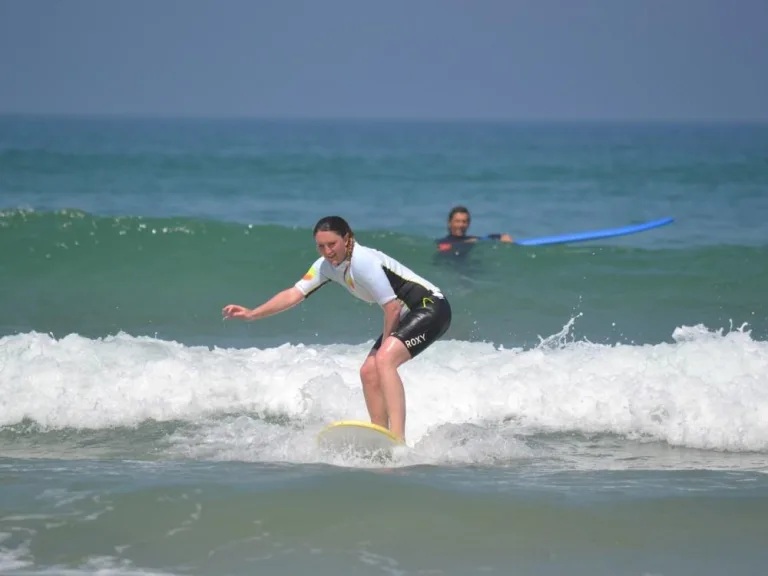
(458, 221)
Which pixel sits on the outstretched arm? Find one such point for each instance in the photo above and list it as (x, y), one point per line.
(278, 303)
(501, 237)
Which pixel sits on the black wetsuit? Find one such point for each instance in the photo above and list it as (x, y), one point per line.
(459, 246)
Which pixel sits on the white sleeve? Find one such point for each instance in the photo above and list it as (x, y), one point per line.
(313, 279)
(369, 272)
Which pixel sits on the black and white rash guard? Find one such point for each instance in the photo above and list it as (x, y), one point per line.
(371, 276)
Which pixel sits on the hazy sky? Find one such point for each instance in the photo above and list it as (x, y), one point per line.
(517, 59)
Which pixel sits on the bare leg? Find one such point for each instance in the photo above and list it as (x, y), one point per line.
(390, 356)
(374, 399)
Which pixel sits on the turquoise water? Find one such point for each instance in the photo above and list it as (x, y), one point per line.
(595, 408)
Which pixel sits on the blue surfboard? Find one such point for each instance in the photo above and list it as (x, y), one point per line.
(595, 234)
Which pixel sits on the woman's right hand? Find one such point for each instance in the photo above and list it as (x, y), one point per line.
(235, 311)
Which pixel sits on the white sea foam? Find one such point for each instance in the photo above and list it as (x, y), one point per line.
(706, 390)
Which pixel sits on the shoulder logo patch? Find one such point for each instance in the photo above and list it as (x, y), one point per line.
(310, 274)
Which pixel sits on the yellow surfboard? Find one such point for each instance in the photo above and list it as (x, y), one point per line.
(357, 436)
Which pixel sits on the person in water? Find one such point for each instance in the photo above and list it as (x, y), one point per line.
(457, 240)
(416, 312)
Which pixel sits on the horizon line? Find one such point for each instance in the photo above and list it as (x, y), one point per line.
(384, 118)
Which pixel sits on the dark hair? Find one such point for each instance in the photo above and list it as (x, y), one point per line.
(333, 224)
(458, 210)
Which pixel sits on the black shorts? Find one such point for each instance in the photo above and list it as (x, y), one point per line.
(421, 326)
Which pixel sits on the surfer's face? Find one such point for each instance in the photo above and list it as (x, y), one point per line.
(331, 246)
(458, 224)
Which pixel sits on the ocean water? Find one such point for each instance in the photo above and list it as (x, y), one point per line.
(596, 408)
